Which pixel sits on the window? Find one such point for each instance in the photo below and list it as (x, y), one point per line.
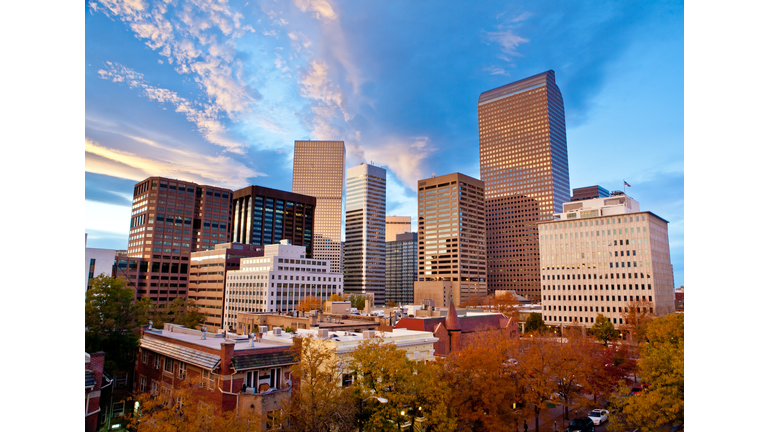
(142, 384)
(207, 379)
(117, 409)
(182, 370)
(157, 361)
(155, 387)
(168, 365)
(145, 356)
(121, 380)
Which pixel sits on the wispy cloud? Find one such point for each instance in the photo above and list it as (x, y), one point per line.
(321, 9)
(509, 42)
(495, 70)
(404, 157)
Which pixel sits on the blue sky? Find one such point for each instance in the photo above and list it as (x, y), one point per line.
(216, 93)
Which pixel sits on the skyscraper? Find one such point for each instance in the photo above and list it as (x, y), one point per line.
(524, 164)
(402, 267)
(318, 171)
(452, 227)
(364, 248)
(397, 225)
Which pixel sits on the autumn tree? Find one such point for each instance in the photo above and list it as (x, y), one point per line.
(391, 303)
(484, 383)
(661, 366)
(357, 301)
(607, 367)
(637, 315)
(569, 368)
(505, 303)
(319, 403)
(534, 323)
(111, 321)
(184, 409)
(536, 363)
(309, 303)
(603, 329)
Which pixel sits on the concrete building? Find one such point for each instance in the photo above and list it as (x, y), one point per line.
(524, 164)
(454, 332)
(277, 282)
(208, 271)
(452, 255)
(169, 220)
(318, 171)
(601, 255)
(589, 192)
(264, 216)
(234, 373)
(97, 262)
(402, 268)
(396, 225)
(251, 322)
(364, 248)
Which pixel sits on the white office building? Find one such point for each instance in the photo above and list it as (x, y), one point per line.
(277, 282)
(97, 262)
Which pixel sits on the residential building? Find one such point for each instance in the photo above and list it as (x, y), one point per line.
(208, 271)
(232, 373)
(94, 373)
(170, 219)
(401, 267)
(524, 164)
(264, 216)
(277, 282)
(452, 254)
(318, 171)
(589, 192)
(454, 332)
(364, 248)
(601, 255)
(396, 225)
(97, 262)
(251, 322)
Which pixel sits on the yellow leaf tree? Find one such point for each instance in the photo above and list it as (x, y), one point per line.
(309, 303)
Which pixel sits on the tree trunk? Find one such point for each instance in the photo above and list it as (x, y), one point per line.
(536, 410)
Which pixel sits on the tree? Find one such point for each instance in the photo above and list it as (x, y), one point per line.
(603, 329)
(391, 303)
(111, 321)
(318, 403)
(505, 303)
(606, 368)
(569, 368)
(184, 409)
(637, 315)
(484, 383)
(534, 323)
(357, 301)
(309, 303)
(661, 366)
(185, 312)
(535, 366)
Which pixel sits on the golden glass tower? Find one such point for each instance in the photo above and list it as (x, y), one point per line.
(524, 164)
(318, 171)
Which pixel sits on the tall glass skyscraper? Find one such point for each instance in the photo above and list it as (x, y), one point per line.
(524, 164)
(318, 171)
(402, 259)
(364, 248)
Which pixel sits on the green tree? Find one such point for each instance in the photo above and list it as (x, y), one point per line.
(185, 312)
(661, 366)
(603, 329)
(534, 323)
(357, 301)
(111, 321)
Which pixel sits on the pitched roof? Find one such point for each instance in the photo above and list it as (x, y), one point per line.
(90, 380)
(259, 360)
(452, 320)
(178, 352)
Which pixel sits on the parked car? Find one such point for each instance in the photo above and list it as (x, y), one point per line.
(584, 424)
(598, 416)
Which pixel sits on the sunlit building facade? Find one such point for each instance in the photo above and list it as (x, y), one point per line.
(318, 171)
(451, 232)
(364, 248)
(524, 164)
(397, 225)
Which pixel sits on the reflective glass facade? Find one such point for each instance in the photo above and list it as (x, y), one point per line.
(402, 258)
(524, 164)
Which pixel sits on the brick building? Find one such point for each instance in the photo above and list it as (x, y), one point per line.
(94, 372)
(237, 373)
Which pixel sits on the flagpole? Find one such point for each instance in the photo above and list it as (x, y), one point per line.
(625, 186)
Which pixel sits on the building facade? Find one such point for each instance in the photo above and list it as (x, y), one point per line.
(277, 282)
(397, 225)
(364, 248)
(208, 271)
(602, 256)
(524, 164)
(97, 262)
(170, 219)
(589, 192)
(318, 171)
(402, 267)
(264, 216)
(452, 238)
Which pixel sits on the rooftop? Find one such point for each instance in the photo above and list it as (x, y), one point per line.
(212, 340)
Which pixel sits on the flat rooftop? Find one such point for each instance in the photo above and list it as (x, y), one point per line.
(212, 340)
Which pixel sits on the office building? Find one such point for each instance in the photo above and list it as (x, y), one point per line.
(364, 248)
(452, 253)
(397, 225)
(524, 164)
(170, 219)
(97, 262)
(277, 282)
(263, 216)
(402, 268)
(208, 271)
(318, 171)
(589, 192)
(603, 256)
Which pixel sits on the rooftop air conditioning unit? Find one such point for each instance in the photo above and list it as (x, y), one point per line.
(278, 331)
(250, 390)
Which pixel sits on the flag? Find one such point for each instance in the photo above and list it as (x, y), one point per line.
(626, 184)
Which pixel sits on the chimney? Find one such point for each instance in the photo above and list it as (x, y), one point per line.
(322, 333)
(227, 352)
(97, 366)
(369, 334)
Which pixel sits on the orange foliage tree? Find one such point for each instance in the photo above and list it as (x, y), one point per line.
(309, 303)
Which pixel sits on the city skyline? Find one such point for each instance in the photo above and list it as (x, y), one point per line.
(227, 112)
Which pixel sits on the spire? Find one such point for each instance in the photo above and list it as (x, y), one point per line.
(452, 320)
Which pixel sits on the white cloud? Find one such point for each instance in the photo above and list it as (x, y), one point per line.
(321, 8)
(495, 70)
(404, 157)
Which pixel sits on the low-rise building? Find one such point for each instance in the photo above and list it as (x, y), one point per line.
(277, 282)
(94, 373)
(234, 372)
(250, 322)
